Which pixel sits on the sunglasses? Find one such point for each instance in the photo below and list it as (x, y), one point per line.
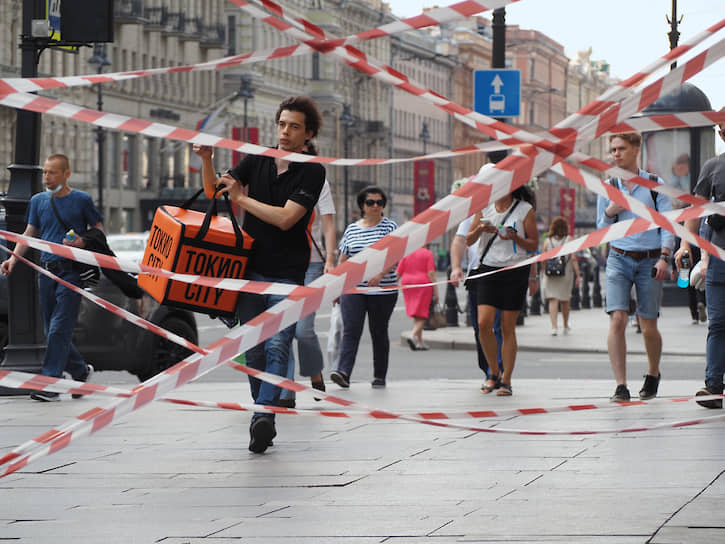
(371, 202)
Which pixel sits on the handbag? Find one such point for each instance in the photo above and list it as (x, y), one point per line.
(88, 273)
(556, 267)
(436, 316)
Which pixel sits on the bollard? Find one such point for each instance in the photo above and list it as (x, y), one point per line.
(586, 299)
(452, 308)
(596, 290)
(574, 301)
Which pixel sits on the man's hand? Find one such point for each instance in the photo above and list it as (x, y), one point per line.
(662, 269)
(6, 267)
(76, 242)
(227, 184)
(204, 151)
(614, 209)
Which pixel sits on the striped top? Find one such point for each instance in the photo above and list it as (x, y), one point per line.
(357, 238)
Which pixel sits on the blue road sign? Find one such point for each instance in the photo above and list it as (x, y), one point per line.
(497, 93)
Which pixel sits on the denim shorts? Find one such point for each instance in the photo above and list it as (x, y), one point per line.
(622, 273)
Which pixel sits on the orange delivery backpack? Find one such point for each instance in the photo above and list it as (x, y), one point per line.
(190, 242)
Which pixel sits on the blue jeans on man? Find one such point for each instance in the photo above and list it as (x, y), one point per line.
(308, 345)
(272, 355)
(715, 296)
(59, 307)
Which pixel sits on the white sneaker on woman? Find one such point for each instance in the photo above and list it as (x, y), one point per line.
(567, 330)
(554, 331)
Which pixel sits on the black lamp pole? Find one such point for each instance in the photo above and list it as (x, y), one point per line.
(25, 331)
(99, 58)
(246, 91)
(425, 136)
(674, 34)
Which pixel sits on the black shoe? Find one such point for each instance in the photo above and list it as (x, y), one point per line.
(261, 433)
(621, 394)
(713, 403)
(320, 386)
(45, 396)
(89, 372)
(649, 388)
(286, 403)
(412, 344)
(340, 379)
(377, 383)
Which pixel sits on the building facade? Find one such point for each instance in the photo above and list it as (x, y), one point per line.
(147, 34)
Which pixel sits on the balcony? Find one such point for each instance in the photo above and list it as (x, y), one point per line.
(128, 11)
(213, 35)
(156, 16)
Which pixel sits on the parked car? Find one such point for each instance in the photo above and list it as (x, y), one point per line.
(109, 342)
(130, 246)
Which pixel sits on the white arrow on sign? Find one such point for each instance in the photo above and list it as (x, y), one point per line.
(497, 84)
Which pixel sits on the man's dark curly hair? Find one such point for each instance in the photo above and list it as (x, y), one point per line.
(306, 106)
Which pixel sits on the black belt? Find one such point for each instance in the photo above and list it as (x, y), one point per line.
(639, 255)
(58, 266)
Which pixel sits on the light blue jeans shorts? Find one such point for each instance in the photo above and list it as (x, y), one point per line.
(622, 273)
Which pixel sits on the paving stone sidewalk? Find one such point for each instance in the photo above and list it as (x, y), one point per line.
(177, 474)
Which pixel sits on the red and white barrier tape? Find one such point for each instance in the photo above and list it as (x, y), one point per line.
(513, 171)
(117, 310)
(36, 382)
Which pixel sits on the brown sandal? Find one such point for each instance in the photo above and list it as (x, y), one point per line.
(491, 384)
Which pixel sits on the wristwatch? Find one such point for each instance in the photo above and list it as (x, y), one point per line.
(665, 257)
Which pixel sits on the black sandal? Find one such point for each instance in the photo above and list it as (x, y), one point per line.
(486, 388)
(505, 391)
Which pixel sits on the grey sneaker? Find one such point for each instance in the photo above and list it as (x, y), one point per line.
(621, 394)
(89, 372)
(649, 388)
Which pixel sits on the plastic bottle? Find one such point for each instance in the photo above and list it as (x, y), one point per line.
(70, 235)
(683, 280)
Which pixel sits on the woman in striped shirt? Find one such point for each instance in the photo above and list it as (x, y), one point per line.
(378, 306)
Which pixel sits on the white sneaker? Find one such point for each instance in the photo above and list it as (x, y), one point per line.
(554, 332)
(567, 330)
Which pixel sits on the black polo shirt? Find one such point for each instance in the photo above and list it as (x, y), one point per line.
(278, 253)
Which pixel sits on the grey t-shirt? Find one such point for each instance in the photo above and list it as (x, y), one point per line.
(711, 185)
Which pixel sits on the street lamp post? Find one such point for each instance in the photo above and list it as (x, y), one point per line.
(347, 120)
(424, 136)
(99, 58)
(246, 91)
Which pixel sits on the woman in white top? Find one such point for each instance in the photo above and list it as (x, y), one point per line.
(506, 232)
(557, 289)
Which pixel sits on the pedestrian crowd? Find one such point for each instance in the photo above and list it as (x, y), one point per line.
(289, 211)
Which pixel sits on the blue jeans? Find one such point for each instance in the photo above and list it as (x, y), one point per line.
(272, 355)
(308, 346)
(59, 308)
(715, 296)
(622, 273)
(473, 316)
(378, 308)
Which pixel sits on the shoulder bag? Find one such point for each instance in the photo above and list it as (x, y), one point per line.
(90, 274)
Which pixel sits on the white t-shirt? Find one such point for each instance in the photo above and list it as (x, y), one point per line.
(504, 252)
(325, 206)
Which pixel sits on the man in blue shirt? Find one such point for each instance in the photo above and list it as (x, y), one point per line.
(59, 305)
(641, 260)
